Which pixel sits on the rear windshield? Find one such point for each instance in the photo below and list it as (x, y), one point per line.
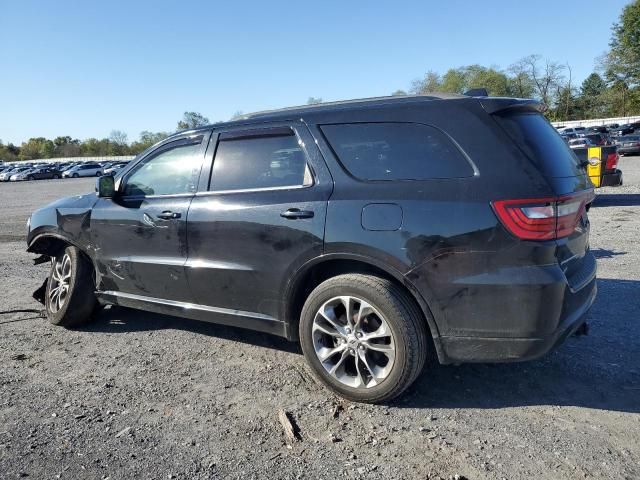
(541, 143)
(396, 151)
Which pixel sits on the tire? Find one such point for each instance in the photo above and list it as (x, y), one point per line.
(29, 178)
(75, 175)
(78, 301)
(390, 309)
(56, 177)
(98, 174)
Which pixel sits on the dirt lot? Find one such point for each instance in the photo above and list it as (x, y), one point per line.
(138, 395)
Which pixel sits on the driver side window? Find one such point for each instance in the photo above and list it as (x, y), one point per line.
(170, 172)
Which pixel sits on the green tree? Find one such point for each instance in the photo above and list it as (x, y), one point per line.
(431, 82)
(454, 81)
(622, 62)
(192, 120)
(314, 100)
(592, 97)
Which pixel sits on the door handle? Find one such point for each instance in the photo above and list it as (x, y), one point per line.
(295, 213)
(169, 215)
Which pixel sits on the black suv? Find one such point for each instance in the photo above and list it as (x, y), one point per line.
(375, 232)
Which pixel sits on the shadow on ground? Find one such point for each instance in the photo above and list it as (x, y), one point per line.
(605, 253)
(617, 200)
(601, 370)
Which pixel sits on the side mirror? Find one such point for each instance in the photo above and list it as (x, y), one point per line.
(105, 186)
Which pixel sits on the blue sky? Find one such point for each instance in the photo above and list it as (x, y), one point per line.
(83, 68)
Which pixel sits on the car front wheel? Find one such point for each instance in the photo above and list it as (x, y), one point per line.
(70, 298)
(363, 337)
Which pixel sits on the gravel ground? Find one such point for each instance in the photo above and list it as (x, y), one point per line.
(139, 395)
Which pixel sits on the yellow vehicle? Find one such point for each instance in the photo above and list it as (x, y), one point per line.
(602, 165)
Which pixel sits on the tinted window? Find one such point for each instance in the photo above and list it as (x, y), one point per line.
(396, 151)
(169, 172)
(541, 143)
(259, 162)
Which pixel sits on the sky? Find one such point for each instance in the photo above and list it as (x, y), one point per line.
(84, 69)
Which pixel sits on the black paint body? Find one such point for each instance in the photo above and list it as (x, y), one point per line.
(232, 258)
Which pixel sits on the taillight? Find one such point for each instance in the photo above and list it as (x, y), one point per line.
(543, 218)
(612, 161)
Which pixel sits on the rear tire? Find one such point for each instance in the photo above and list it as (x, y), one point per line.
(379, 353)
(70, 298)
(56, 177)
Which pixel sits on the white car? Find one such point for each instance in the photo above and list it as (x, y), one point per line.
(83, 170)
(6, 176)
(21, 175)
(112, 170)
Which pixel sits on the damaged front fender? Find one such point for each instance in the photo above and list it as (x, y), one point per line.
(66, 221)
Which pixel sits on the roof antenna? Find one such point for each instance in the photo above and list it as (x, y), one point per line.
(477, 92)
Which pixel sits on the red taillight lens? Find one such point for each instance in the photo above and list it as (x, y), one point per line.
(543, 218)
(612, 161)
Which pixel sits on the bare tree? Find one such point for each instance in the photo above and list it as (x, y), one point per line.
(545, 74)
(118, 137)
(314, 100)
(431, 82)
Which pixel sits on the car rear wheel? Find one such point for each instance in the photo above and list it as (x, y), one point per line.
(55, 177)
(98, 174)
(70, 298)
(363, 337)
(29, 177)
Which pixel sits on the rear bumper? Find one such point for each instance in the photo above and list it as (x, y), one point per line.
(612, 179)
(535, 318)
(481, 349)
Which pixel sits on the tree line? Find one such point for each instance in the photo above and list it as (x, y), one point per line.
(612, 90)
(116, 144)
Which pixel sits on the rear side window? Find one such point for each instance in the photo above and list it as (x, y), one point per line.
(396, 151)
(250, 161)
(541, 143)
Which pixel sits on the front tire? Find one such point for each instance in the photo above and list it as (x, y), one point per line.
(75, 175)
(70, 298)
(363, 337)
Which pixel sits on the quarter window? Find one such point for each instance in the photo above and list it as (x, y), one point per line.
(170, 172)
(259, 161)
(396, 151)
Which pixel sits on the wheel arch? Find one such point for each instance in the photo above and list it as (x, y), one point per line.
(50, 244)
(320, 269)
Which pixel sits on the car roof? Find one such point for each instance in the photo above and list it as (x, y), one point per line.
(328, 108)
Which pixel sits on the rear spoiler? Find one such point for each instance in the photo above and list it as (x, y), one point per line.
(502, 104)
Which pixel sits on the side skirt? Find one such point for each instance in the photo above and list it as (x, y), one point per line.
(223, 316)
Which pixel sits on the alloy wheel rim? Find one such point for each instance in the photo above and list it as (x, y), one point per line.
(60, 281)
(353, 342)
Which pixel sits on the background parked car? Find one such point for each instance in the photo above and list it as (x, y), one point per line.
(6, 175)
(43, 173)
(623, 130)
(21, 175)
(629, 145)
(84, 170)
(113, 169)
(581, 143)
(598, 138)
